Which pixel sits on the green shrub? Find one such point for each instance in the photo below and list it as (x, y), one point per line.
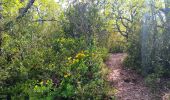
(48, 60)
(118, 47)
(65, 71)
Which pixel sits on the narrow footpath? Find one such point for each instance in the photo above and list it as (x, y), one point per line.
(129, 85)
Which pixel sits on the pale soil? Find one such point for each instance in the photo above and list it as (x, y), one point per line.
(129, 85)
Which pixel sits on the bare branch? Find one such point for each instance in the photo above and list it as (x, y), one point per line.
(43, 20)
(123, 33)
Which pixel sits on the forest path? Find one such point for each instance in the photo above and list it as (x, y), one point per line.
(129, 85)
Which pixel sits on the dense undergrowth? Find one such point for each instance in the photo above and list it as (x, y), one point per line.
(52, 49)
(52, 59)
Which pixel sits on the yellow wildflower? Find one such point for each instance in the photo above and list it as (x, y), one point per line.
(75, 61)
(69, 58)
(67, 75)
(49, 81)
(41, 83)
(80, 55)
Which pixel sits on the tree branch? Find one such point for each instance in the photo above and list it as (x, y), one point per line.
(25, 10)
(123, 33)
(43, 20)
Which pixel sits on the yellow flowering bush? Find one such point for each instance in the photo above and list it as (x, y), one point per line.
(80, 55)
(81, 75)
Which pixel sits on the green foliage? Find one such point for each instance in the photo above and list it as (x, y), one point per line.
(43, 58)
(133, 60)
(150, 80)
(80, 77)
(118, 47)
(148, 47)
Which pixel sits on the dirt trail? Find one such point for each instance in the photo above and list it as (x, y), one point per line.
(129, 85)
